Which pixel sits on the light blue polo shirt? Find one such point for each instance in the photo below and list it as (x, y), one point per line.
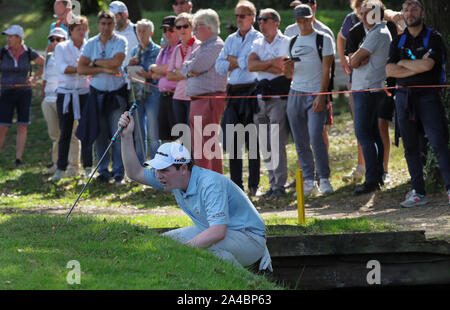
(94, 49)
(213, 199)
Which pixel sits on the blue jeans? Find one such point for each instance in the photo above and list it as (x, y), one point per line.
(148, 125)
(307, 130)
(429, 113)
(366, 107)
(107, 128)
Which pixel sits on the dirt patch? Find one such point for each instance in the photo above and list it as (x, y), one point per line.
(433, 218)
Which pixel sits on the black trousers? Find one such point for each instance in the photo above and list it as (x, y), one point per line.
(66, 127)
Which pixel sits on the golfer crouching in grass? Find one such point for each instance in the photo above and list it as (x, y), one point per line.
(226, 222)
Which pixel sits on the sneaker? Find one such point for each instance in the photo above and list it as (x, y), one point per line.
(119, 180)
(57, 176)
(355, 175)
(268, 194)
(325, 186)
(386, 178)
(293, 184)
(365, 188)
(71, 172)
(51, 169)
(87, 172)
(252, 191)
(310, 188)
(277, 193)
(414, 200)
(102, 179)
(409, 194)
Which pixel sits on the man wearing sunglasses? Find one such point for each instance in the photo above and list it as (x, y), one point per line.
(241, 82)
(417, 58)
(266, 58)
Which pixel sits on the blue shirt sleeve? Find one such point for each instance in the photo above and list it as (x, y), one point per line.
(222, 64)
(152, 180)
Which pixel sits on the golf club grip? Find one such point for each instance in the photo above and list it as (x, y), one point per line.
(119, 130)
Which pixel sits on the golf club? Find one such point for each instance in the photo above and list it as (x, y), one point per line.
(113, 139)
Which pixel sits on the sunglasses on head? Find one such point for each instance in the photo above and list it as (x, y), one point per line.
(167, 29)
(242, 16)
(186, 26)
(57, 39)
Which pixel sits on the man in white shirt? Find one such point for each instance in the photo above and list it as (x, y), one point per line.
(306, 112)
(266, 58)
(124, 27)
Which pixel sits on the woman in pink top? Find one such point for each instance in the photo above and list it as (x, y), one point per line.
(181, 102)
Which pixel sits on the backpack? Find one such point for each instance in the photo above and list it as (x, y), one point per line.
(319, 46)
(3, 52)
(426, 41)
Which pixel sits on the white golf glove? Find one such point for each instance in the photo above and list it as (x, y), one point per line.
(266, 261)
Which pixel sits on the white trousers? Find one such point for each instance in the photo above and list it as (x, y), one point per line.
(240, 247)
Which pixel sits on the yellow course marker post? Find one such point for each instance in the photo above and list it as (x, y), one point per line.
(300, 198)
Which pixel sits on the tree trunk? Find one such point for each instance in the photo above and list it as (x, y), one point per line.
(134, 10)
(436, 17)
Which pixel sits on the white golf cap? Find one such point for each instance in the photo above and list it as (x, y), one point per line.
(117, 7)
(169, 154)
(58, 32)
(14, 30)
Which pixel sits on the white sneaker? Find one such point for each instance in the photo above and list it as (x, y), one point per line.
(386, 178)
(355, 175)
(310, 188)
(87, 172)
(409, 194)
(414, 200)
(51, 170)
(325, 186)
(57, 176)
(71, 172)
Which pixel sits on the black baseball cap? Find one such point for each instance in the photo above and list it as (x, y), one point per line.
(168, 21)
(303, 11)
